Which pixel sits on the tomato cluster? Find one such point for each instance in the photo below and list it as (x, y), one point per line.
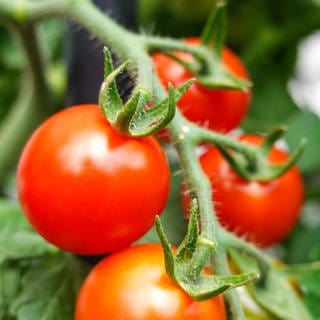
(90, 190)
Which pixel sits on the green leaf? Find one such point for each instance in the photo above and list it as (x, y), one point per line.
(53, 33)
(310, 286)
(276, 295)
(9, 281)
(283, 303)
(308, 277)
(305, 124)
(11, 57)
(9, 285)
(49, 289)
(17, 238)
(303, 245)
(271, 104)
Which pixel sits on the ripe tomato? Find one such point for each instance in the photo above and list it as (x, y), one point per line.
(218, 109)
(132, 284)
(263, 212)
(88, 189)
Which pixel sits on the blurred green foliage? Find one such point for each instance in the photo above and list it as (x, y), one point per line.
(12, 62)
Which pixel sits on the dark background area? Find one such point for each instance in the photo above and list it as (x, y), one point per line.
(85, 58)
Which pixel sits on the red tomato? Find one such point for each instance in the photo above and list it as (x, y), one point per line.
(263, 212)
(88, 189)
(218, 109)
(132, 284)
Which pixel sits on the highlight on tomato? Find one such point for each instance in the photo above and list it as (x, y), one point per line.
(262, 212)
(132, 284)
(217, 109)
(87, 189)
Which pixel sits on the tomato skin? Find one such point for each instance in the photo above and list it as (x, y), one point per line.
(262, 212)
(218, 109)
(87, 189)
(132, 284)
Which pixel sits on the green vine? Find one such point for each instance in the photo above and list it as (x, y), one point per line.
(212, 241)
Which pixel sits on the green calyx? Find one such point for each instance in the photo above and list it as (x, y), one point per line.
(135, 118)
(257, 166)
(213, 38)
(207, 66)
(186, 265)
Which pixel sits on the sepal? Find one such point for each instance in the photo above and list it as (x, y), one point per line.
(257, 166)
(136, 117)
(187, 264)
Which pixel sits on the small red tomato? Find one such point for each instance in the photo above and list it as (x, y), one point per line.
(87, 189)
(263, 212)
(218, 109)
(132, 284)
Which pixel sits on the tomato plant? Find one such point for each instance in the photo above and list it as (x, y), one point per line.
(89, 185)
(133, 284)
(263, 212)
(218, 109)
(87, 189)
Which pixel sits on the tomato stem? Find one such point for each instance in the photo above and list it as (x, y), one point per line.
(215, 29)
(181, 132)
(220, 264)
(154, 43)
